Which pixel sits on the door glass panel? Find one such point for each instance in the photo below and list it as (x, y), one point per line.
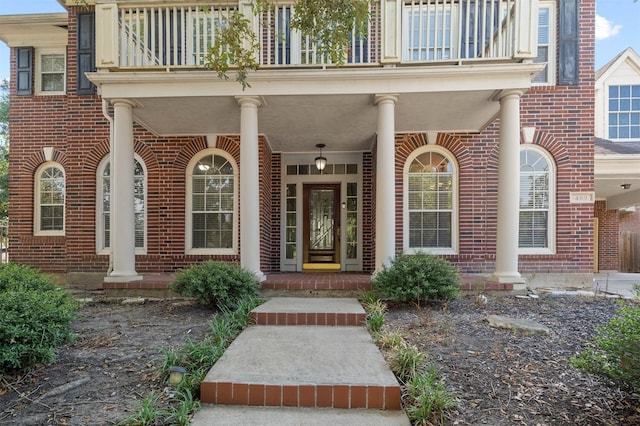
(321, 219)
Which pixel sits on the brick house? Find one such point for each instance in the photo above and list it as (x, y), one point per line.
(617, 163)
(462, 128)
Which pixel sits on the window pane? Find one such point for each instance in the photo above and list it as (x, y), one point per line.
(213, 202)
(534, 199)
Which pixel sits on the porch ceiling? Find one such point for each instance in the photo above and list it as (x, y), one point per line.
(304, 107)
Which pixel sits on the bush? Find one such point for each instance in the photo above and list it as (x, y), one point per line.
(614, 353)
(35, 317)
(418, 277)
(216, 284)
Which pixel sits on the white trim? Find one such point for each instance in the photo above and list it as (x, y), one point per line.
(37, 207)
(189, 201)
(454, 208)
(551, 218)
(552, 52)
(100, 224)
(292, 265)
(38, 71)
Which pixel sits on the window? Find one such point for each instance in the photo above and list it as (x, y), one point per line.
(49, 199)
(536, 201)
(546, 40)
(430, 201)
(212, 204)
(103, 237)
(624, 112)
(427, 32)
(52, 66)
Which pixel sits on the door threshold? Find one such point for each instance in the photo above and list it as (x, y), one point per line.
(321, 267)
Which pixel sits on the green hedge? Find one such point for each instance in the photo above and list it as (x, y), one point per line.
(35, 317)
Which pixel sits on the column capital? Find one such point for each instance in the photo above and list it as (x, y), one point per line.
(256, 101)
(383, 98)
(132, 103)
(502, 94)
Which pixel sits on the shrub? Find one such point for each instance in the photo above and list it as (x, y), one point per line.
(614, 353)
(216, 284)
(418, 277)
(35, 317)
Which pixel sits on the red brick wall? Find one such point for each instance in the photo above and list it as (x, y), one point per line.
(564, 120)
(608, 235)
(77, 130)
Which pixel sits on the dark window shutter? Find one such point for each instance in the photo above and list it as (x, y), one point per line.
(568, 42)
(24, 70)
(86, 52)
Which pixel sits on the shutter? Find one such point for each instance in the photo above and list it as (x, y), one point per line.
(24, 70)
(85, 52)
(568, 43)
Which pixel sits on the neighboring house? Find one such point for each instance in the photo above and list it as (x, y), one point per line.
(617, 163)
(462, 128)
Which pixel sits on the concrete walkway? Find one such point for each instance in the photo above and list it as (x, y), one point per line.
(307, 361)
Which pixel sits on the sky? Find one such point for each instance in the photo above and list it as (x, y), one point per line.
(617, 26)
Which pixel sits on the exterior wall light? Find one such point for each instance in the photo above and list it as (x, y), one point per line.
(321, 161)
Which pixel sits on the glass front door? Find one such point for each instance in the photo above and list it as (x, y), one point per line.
(321, 223)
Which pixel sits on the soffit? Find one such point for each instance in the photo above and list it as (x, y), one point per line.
(39, 30)
(304, 107)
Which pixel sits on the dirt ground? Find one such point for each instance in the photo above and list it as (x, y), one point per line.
(502, 377)
(499, 377)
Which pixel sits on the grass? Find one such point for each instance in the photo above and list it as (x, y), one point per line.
(197, 358)
(425, 397)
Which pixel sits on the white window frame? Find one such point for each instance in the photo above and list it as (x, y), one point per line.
(189, 249)
(44, 52)
(100, 222)
(551, 216)
(37, 202)
(617, 83)
(454, 208)
(551, 46)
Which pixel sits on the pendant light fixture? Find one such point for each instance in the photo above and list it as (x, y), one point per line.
(321, 161)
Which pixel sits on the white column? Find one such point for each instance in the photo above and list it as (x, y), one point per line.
(123, 246)
(508, 189)
(385, 181)
(249, 186)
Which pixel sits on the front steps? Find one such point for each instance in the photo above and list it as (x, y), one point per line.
(295, 363)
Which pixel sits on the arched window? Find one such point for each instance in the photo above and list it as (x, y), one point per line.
(103, 228)
(212, 204)
(49, 199)
(537, 201)
(430, 201)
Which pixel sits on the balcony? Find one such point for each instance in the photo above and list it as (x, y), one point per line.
(156, 35)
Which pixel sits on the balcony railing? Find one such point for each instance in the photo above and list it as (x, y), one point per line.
(411, 31)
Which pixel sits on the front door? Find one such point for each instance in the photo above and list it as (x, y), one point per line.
(321, 233)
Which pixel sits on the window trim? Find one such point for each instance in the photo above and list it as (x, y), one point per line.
(37, 206)
(100, 223)
(189, 249)
(552, 214)
(617, 83)
(552, 49)
(455, 212)
(38, 68)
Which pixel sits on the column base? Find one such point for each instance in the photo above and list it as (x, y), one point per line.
(122, 278)
(260, 276)
(515, 280)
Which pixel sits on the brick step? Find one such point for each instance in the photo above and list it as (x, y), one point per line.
(302, 366)
(317, 281)
(309, 311)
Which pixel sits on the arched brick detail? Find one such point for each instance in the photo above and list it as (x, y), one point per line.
(229, 144)
(37, 158)
(101, 149)
(406, 144)
(557, 150)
